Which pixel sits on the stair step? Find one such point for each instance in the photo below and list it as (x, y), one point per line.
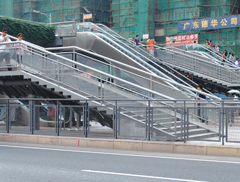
(203, 135)
(192, 131)
(179, 127)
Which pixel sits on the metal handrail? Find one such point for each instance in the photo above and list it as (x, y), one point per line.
(207, 49)
(131, 43)
(15, 38)
(41, 48)
(143, 62)
(166, 80)
(100, 72)
(164, 48)
(113, 66)
(133, 50)
(193, 52)
(174, 52)
(210, 63)
(111, 61)
(103, 73)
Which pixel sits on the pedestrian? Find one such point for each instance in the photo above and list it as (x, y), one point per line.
(210, 43)
(4, 49)
(207, 43)
(136, 40)
(194, 45)
(151, 42)
(217, 48)
(20, 52)
(226, 53)
(201, 112)
(224, 56)
(51, 110)
(231, 58)
(236, 62)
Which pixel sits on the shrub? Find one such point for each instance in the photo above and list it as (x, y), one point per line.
(36, 33)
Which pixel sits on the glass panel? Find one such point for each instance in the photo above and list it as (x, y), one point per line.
(44, 118)
(232, 121)
(72, 117)
(167, 123)
(19, 117)
(3, 128)
(101, 121)
(132, 124)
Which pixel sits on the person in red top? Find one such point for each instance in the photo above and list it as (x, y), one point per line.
(151, 48)
(210, 43)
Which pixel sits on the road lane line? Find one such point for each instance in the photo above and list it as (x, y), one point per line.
(141, 176)
(119, 154)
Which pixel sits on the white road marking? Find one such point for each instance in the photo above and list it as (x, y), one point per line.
(141, 176)
(119, 154)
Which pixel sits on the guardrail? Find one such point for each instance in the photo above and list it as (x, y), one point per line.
(79, 119)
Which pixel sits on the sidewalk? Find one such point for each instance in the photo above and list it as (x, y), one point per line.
(191, 147)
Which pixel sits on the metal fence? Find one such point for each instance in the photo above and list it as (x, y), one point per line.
(181, 120)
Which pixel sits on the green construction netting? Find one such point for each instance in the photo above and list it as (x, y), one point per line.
(61, 10)
(172, 11)
(131, 17)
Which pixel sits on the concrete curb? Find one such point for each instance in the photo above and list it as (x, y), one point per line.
(133, 145)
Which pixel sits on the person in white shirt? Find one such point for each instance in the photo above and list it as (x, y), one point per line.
(236, 62)
(4, 51)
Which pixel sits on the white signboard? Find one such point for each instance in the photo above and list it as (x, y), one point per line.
(145, 36)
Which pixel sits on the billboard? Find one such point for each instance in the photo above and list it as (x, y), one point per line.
(181, 39)
(209, 23)
(87, 16)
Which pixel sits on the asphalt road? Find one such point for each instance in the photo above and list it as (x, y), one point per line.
(30, 162)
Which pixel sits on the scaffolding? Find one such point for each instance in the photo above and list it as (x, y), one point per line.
(169, 12)
(131, 17)
(158, 18)
(61, 10)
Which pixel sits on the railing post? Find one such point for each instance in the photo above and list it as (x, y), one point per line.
(222, 122)
(19, 56)
(44, 63)
(101, 87)
(116, 113)
(31, 56)
(57, 117)
(86, 118)
(228, 114)
(187, 123)
(184, 121)
(7, 116)
(151, 86)
(149, 120)
(32, 116)
(58, 71)
(175, 119)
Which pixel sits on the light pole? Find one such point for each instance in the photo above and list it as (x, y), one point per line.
(48, 16)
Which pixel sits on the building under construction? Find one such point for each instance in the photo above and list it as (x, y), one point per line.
(157, 18)
(60, 10)
(169, 12)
